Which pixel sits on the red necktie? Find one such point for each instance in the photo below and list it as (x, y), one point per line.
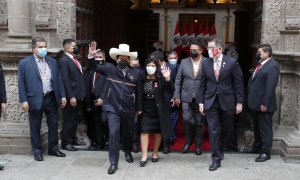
(96, 77)
(77, 63)
(257, 68)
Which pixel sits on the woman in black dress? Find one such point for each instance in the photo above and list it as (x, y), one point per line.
(153, 108)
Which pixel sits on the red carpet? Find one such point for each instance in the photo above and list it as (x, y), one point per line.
(180, 140)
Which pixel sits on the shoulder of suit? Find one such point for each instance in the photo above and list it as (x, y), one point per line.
(26, 59)
(185, 60)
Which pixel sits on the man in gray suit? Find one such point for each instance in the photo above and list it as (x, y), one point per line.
(186, 88)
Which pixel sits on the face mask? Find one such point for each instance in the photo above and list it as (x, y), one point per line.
(150, 70)
(194, 54)
(215, 52)
(173, 61)
(99, 61)
(123, 64)
(76, 50)
(42, 52)
(258, 56)
(210, 54)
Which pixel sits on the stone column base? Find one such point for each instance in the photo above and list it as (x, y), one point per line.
(16, 139)
(286, 142)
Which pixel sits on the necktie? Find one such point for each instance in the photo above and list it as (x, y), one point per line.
(77, 64)
(96, 77)
(257, 68)
(217, 69)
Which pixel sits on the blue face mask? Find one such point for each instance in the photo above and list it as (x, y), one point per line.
(173, 61)
(42, 52)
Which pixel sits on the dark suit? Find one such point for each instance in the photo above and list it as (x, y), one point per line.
(220, 98)
(74, 85)
(97, 130)
(186, 89)
(2, 87)
(31, 90)
(173, 110)
(261, 91)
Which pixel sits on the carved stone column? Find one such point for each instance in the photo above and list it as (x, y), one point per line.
(20, 20)
(19, 31)
(280, 28)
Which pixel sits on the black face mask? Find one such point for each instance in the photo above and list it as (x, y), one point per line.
(76, 50)
(99, 61)
(258, 58)
(123, 64)
(194, 54)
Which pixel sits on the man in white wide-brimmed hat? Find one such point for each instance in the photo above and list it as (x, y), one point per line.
(123, 84)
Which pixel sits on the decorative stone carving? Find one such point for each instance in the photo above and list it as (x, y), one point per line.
(14, 113)
(292, 24)
(288, 101)
(43, 13)
(3, 13)
(290, 43)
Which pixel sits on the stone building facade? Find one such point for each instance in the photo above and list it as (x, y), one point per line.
(20, 20)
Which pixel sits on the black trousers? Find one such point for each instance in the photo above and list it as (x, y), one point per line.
(137, 131)
(99, 129)
(50, 107)
(193, 123)
(70, 123)
(115, 121)
(220, 126)
(263, 131)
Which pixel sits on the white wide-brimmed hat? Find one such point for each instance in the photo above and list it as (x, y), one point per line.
(122, 51)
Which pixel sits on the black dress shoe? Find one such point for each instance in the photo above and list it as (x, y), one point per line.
(1, 167)
(185, 148)
(136, 149)
(166, 150)
(69, 147)
(143, 163)
(198, 151)
(222, 156)
(38, 157)
(154, 159)
(129, 157)
(112, 169)
(79, 143)
(263, 157)
(214, 166)
(57, 154)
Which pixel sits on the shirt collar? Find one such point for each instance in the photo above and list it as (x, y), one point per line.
(265, 61)
(219, 59)
(70, 55)
(38, 60)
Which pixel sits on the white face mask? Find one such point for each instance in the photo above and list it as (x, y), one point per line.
(210, 54)
(173, 61)
(150, 70)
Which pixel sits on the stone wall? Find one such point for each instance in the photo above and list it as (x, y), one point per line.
(280, 28)
(20, 20)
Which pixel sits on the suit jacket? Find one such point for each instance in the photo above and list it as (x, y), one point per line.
(2, 87)
(122, 89)
(261, 87)
(100, 87)
(186, 84)
(229, 87)
(72, 77)
(30, 83)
